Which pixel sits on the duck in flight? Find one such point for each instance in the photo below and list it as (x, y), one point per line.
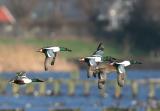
(93, 60)
(50, 55)
(114, 65)
(22, 79)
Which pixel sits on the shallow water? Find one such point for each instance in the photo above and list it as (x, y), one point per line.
(92, 102)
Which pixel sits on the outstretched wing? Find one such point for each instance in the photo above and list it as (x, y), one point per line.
(100, 46)
(54, 57)
(101, 80)
(20, 75)
(49, 61)
(121, 75)
(99, 51)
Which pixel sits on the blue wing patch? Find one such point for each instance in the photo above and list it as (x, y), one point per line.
(50, 53)
(92, 62)
(121, 69)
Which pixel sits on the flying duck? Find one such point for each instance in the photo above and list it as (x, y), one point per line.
(50, 55)
(115, 65)
(94, 59)
(22, 79)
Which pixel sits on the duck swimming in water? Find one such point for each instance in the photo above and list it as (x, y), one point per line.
(50, 55)
(22, 79)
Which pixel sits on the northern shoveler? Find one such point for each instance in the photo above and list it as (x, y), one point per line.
(22, 79)
(94, 59)
(50, 54)
(115, 66)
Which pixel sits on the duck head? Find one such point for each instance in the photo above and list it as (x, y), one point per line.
(37, 80)
(11, 81)
(65, 49)
(40, 50)
(135, 62)
(82, 59)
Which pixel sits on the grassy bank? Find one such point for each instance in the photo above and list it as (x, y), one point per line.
(80, 47)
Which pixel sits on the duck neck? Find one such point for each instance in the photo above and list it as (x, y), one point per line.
(36, 80)
(64, 49)
(108, 58)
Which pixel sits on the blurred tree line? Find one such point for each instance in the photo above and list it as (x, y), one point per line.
(144, 25)
(137, 29)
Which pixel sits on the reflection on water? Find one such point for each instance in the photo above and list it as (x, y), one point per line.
(61, 91)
